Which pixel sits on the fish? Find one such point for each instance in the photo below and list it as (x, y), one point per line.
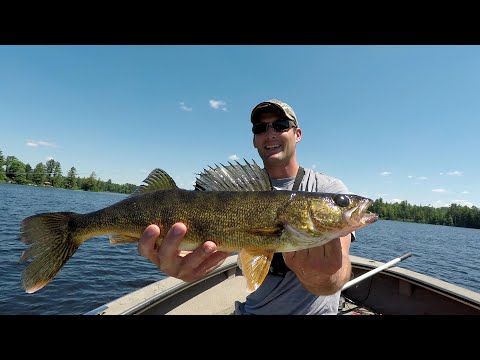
(233, 205)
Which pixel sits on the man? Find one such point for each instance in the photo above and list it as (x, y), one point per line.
(300, 282)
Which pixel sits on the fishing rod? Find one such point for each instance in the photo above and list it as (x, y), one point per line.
(376, 270)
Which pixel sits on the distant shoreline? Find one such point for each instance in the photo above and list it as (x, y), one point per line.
(62, 188)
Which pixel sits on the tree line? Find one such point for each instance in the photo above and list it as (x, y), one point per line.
(454, 215)
(12, 170)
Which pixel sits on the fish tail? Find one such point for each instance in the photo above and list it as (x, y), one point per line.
(51, 243)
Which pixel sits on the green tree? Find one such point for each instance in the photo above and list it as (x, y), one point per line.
(419, 215)
(449, 221)
(71, 179)
(16, 172)
(50, 168)
(28, 173)
(3, 177)
(39, 174)
(57, 178)
(109, 185)
(8, 162)
(90, 184)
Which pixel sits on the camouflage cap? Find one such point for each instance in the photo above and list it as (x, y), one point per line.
(276, 106)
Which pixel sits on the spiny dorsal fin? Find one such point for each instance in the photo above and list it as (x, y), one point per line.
(255, 265)
(234, 177)
(158, 179)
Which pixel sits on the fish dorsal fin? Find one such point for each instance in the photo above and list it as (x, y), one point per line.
(234, 177)
(255, 265)
(158, 179)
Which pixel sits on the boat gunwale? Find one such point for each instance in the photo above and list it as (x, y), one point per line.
(455, 292)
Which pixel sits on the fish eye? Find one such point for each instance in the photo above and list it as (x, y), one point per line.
(341, 200)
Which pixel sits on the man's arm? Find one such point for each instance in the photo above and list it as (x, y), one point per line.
(183, 265)
(322, 270)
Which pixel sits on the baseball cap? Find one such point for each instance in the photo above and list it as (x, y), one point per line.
(275, 106)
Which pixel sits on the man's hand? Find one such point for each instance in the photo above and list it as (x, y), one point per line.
(322, 270)
(184, 265)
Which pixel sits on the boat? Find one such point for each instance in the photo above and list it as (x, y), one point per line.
(376, 288)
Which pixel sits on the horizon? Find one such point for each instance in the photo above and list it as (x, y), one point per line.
(393, 122)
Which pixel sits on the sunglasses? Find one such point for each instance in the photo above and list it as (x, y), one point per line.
(281, 125)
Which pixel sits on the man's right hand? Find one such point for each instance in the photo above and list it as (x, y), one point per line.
(183, 265)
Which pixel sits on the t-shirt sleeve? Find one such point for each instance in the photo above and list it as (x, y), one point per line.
(314, 181)
(336, 186)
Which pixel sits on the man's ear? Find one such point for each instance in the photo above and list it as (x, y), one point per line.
(298, 134)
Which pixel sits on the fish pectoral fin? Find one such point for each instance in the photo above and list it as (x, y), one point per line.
(255, 265)
(267, 231)
(122, 239)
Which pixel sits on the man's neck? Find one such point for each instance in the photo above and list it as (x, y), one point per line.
(282, 172)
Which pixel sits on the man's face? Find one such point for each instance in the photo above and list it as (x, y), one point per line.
(276, 148)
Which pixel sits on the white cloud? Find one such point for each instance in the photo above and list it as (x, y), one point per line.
(33, 143)
(417, 178)
(185, 107)
(381, 194)
(441, 173)
(439, 190)
(396, 200)
(49, 158)
(385, 173)
(218, 104)
(233, 157)
(465, 192)
(314, 166)
(143, 171)
(455, 173)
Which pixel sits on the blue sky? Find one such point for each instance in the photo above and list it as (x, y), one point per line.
(397, 122)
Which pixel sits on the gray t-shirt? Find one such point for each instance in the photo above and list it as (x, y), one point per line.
(286, 295)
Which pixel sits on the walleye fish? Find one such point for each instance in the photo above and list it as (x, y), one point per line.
(234, 206)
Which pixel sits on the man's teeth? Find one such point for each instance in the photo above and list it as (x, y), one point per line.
(272, 147)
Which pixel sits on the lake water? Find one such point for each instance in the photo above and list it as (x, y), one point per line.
(99, 272)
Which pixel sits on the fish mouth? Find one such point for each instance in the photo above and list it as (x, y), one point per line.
(358, 217)
(369, 218)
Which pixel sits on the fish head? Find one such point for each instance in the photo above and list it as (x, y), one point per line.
(311, 219)
(342, 213)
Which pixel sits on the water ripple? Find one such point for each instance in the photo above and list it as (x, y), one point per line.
(100, 272)
(447, 253)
